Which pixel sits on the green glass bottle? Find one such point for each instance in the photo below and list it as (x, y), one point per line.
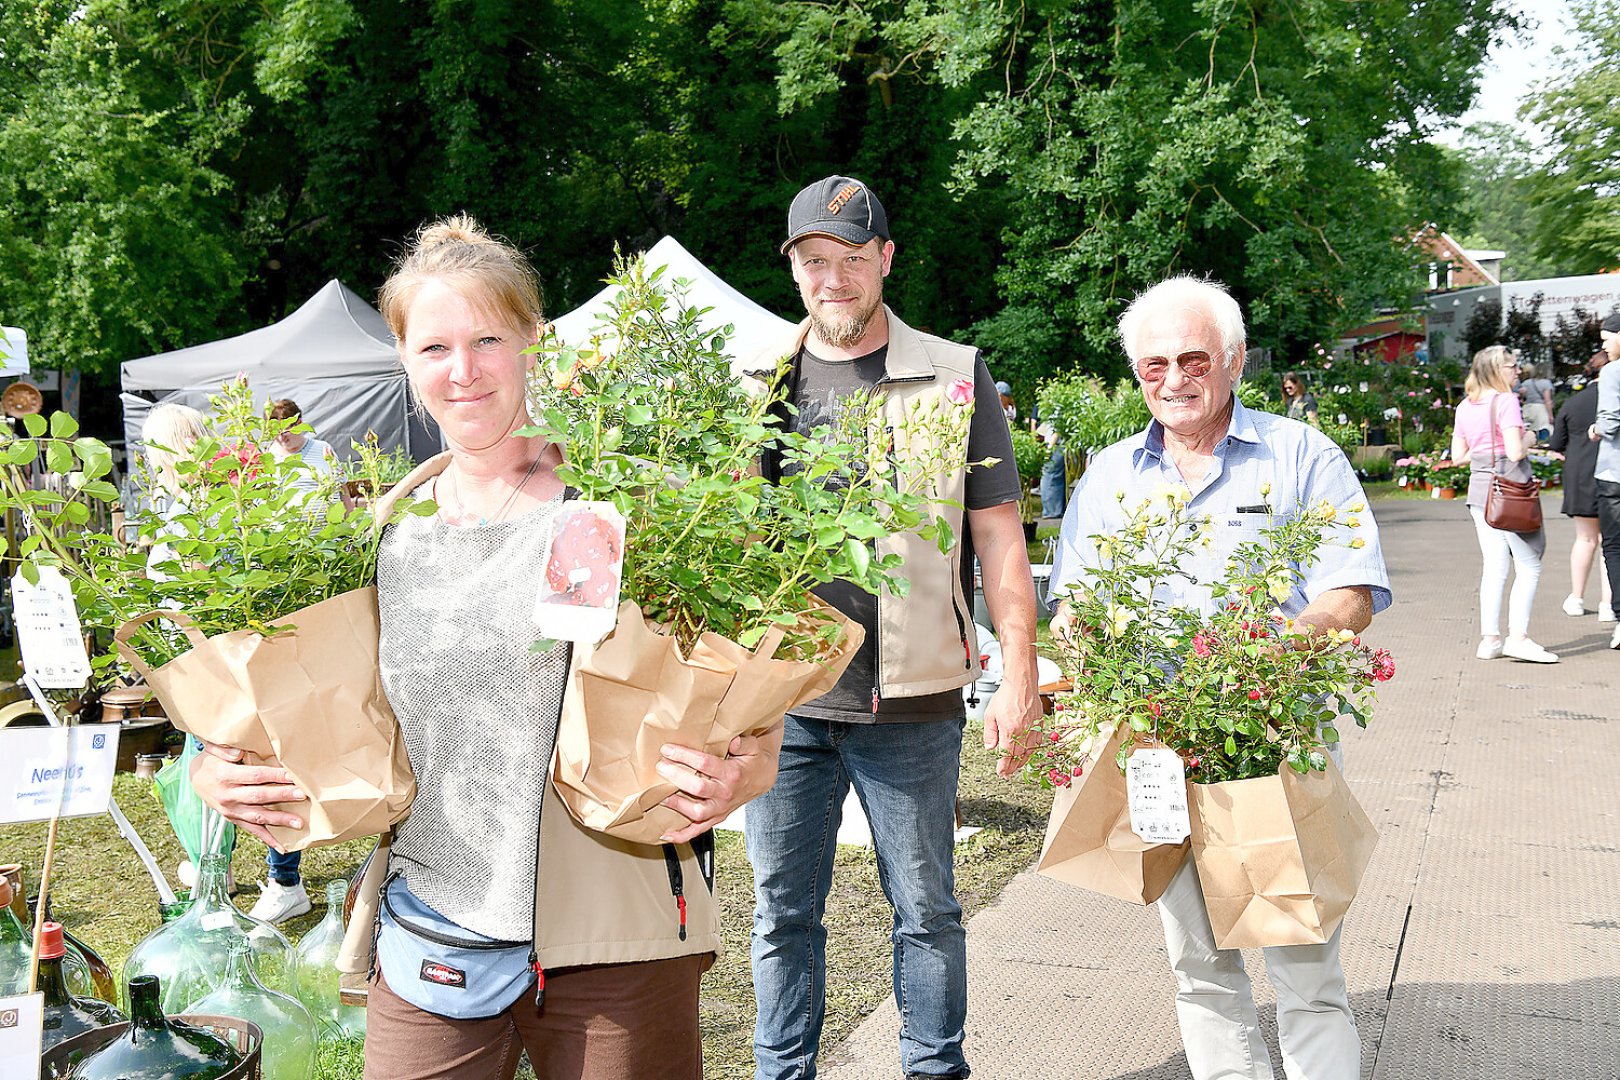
(289, 1032)
(154, 1047)
(65, 1014)
(318, 974)
(16, 947)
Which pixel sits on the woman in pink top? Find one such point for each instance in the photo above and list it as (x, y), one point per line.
(1490, 436)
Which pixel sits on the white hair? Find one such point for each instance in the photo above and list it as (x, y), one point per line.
(169, 433)
(1185, 293)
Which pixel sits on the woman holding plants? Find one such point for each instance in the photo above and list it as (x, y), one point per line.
(1489, 434)
(608, 954)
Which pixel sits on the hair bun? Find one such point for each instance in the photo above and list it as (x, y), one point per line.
(455, 229)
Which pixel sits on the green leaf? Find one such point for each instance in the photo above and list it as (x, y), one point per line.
(63, 426)
(1231, 746)
(34, 424)
(859, 555)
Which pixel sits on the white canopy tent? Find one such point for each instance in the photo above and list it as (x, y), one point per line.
(755, 328)
(334, 356)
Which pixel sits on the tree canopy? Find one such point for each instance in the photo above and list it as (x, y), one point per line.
(176, 170)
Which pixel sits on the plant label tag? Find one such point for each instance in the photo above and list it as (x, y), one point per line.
(1156, 788)
(579, 591)
(48, 629)
(56, 772)
(22, 1029)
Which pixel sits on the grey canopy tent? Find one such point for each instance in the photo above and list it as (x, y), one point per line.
(334, 356)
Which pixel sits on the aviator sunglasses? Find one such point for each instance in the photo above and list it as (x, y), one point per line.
(1194, 365)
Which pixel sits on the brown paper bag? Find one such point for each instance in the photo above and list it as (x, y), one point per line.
(632, 692)
(1089, 841)
(309, 700)
(1279, 857)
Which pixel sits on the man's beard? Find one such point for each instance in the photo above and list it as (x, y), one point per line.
(847, 330)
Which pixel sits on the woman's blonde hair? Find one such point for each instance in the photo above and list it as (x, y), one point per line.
(488, 272)
(1487, 372)
(169, 433)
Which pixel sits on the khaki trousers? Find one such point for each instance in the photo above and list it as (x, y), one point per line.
(599, 1022)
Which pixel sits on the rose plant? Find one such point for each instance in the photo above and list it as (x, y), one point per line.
(245, 547)
(652, 419)
(1236, 693)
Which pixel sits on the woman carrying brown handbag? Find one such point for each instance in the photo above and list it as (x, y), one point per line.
(1490, 435)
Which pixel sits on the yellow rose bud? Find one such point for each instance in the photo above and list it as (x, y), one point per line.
(1358, 542)
(562, 380)
(1265, 488)
(1354, 523)
(1357, 507)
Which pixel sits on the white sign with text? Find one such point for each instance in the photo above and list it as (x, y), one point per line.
(49, 631)
(22, 1027)
(46, 770)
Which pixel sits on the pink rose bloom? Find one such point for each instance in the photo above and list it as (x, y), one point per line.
(960, 392)
(1200, 644)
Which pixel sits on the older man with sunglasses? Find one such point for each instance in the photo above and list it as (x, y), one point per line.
(1247, 469)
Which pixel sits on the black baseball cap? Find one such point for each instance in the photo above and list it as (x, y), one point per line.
(839, 208)
(1612, 324)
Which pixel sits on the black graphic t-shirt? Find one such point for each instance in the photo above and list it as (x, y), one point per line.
(819, 388)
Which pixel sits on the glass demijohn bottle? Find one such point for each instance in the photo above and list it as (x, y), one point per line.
(318, 974)
(189, 954)
(289, 1032)
(65, 1014)
(154, 1046)
(16, 948)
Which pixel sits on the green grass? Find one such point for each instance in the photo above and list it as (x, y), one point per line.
(103, 894)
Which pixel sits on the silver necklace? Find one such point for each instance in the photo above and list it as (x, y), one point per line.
(462, 514)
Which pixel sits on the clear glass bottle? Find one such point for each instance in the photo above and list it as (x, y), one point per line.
(154, 1047)
(189, 954)
(289, 1031)
(318, 974)
(16, 947)
(66, 1014)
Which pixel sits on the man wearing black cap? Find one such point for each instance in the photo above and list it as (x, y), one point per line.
(892, 727)
(1607, 432)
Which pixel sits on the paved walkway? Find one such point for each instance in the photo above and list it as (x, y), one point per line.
(1486, 938)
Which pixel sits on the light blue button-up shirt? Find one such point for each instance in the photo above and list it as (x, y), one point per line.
(1303, 467)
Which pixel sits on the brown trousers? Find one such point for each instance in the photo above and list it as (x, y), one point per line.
(600, 1022)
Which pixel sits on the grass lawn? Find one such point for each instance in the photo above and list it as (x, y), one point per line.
(102, 893)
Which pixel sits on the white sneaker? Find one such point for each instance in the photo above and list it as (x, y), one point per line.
(1614, 639)
(1528, 651)
(277, 903)
(1606, 613)
(1574, 606)
(1489, 650)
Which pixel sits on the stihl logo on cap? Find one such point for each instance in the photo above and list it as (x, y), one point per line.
(846, 193)
(443, 974)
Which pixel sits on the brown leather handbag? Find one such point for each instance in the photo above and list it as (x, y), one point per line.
(1511, 505)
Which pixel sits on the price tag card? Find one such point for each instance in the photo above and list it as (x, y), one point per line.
(22, 1028)
(1156, 787)
(579, 592)
(44, 769)
(48, 629)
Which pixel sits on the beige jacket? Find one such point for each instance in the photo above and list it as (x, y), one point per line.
(599, 901)
(926, 641)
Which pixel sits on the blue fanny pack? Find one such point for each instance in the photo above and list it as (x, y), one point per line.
(443, 968)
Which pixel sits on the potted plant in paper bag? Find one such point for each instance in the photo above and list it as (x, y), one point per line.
(1248, 700)
(249, 609)
(716, 632)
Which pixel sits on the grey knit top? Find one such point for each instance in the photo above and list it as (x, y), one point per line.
(478, 710)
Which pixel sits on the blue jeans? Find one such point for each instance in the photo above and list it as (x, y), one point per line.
(905, 777)
(1054, 485)
(283, 869)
